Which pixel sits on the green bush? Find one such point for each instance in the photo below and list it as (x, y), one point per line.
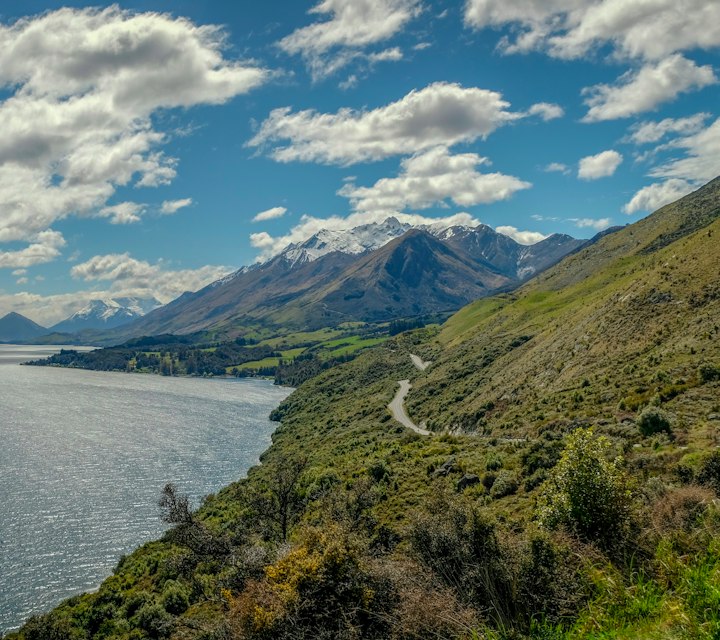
(653, 420)
(505, 484)
(154, 620)
(175, 598)
(709, 372)
(586, 493)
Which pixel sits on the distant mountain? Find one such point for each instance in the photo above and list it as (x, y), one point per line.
(17, 328)
(375, 272)
(105, 314)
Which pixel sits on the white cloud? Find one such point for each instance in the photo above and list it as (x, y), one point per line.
(440, 114)
(122, 213)
(651, 132)
(135, 278)
(21, 281)
(547, 111)
(19, 272)
(309, 226)
(82, 87)
(45, 247)
(599, 224)
(645, 89)
(132, 277)
(430, 178)
(646, 29)
(702, 160)
(352, 27)
(557, 167)
(270, 214)
(658, 195)
(169, 207)
(600, 165)
(523, 237)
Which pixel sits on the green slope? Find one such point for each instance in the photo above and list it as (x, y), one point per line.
(383, 545)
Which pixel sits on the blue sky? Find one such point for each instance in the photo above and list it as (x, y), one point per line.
(141, 139)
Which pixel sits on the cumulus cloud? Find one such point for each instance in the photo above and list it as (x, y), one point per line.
(651, 132)
(442, 113)
(599, 224)
(546, 111)
(82, 86)
(648, 29)
(658, 195)
(122, 213)
(310, 225)
(643, 90)
(523, 237)
(45, 247)
(353, 26)
(135, 278)
(432, 177)
(129, 276)
(600, 165)
(702, 157)
(169, 207)
(557, 167)
(270, 214)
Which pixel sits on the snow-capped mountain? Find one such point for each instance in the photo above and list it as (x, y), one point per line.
(366, 237)
(106, 314)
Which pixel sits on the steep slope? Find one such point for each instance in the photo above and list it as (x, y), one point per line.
(17, 328)
(625, 321)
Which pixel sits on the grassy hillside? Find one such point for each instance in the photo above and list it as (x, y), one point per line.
(570, 490)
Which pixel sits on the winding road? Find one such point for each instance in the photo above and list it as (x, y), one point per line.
(397, 406)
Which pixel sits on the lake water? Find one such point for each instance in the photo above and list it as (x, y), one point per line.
(84, 456)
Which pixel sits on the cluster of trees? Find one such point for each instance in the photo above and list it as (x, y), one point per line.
(163, 356)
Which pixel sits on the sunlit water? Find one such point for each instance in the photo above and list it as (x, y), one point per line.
(84, 455)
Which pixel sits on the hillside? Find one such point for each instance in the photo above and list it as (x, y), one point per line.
(17, 328)
(376, 272)
(571, 490)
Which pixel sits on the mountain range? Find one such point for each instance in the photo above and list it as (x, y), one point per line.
(106, 314)
(375, 272)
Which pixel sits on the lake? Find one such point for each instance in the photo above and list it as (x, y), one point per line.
(85, 454)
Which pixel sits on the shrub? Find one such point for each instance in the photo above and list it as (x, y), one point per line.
(709, 372)
(154, 620)
(505, 484)
(710, 471)
(586, 493)
(175, 598)
(653, 420)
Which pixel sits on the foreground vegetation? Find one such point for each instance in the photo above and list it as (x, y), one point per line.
(571, 489)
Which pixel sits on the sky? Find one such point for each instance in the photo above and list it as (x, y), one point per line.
(149, 148)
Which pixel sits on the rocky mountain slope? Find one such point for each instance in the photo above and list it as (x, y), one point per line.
(370, 273)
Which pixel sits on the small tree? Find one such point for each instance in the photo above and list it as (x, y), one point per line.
(653, 420)
(586, 492)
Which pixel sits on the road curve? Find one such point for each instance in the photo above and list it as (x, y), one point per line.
(397, 408)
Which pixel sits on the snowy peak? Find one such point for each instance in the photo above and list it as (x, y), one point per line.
(106, 314)
(366, 237)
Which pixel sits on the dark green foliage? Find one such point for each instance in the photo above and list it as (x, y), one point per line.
(654, 420)
(709, 372)
(154, 620)
(175, 598)
(461, 547)
(710, 472)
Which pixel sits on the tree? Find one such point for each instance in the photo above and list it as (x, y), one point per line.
(586, 492)
(279, 501)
